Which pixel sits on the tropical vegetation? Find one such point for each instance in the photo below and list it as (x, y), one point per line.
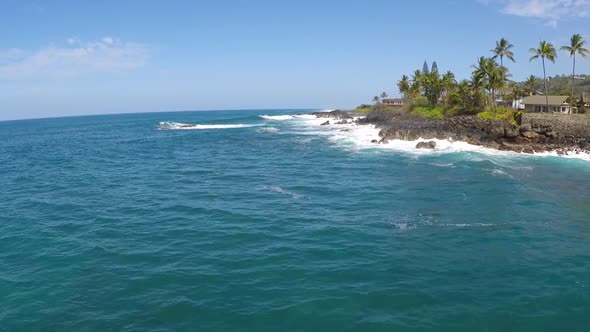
(488, 92)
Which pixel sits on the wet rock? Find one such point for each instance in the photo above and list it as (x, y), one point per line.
(426, 145)
(325, 123)
(375, 141)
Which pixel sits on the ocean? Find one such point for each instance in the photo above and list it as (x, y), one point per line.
(268, 221)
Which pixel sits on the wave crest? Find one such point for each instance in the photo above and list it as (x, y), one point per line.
(276, 117)
(167, 125)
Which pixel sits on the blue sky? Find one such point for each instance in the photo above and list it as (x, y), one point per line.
(91, 57)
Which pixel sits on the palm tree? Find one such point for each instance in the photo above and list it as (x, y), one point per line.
(376, 100)
(497, 79)
(404, 86)
(529, 85)
(464, 91)
(545, 51)
(503, 49)
(414, 91)
(448, 83)
(476, 83)
(487, 72)
(384, 95)
(576, 46)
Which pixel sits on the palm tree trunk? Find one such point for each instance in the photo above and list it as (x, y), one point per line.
(573, 84)
(545, 83)
(502, 91)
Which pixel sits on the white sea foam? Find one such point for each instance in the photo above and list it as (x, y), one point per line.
(277, 117)
(570, 155)
(184, 126)
(280, 190)
(268, 130)
(356, 136)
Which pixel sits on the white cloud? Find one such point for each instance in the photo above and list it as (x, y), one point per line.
(551, 11)
(106, 55)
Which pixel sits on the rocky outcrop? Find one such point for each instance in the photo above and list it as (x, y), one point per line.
(426, 145)
(337, 114)
(461, 128)
(537, 132)
(557, 129)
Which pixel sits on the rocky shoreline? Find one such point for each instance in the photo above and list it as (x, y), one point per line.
(537, 132)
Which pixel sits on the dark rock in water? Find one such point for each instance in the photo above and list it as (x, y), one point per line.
(384, 140)
(342, 122)
(375, 141)
(325, 123)
(426, 145)
(345, 130)
(338, 114)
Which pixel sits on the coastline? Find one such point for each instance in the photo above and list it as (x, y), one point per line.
(537, 133)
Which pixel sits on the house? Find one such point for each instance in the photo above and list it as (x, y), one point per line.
(557, 104)
(395, 103)
(502, 101)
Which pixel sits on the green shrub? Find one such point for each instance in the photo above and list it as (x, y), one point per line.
(498, 113)
(428, 112)
(460, 110)
(420, 102)
(364, 109)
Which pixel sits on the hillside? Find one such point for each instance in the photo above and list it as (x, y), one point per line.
(561, 85)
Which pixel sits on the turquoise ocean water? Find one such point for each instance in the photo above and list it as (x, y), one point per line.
(244, 223)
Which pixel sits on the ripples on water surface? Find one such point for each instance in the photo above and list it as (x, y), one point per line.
(109, 223)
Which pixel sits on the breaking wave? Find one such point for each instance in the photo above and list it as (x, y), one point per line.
(184, 126)
(354, 136)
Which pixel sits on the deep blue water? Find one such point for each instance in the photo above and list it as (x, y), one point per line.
(108, 223)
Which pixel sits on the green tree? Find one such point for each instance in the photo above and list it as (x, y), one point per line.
(414, 91)
(529, 85)
(576, 47)
(376, 100)
(404, 86)
(434, 67)
(516, 93)
(503, 49)
(464, 92)
(545, 51)
(425, 69)
(477, 85)
(491, 76)
(432, 87)
(384, 95)
(448, 83)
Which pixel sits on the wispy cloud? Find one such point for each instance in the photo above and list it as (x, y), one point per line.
(551, 11)
(75, 59)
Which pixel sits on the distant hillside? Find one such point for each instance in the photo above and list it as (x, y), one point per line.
(561, 85)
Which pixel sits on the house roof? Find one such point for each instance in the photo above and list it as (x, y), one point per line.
(541, 100)
(393, 100)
